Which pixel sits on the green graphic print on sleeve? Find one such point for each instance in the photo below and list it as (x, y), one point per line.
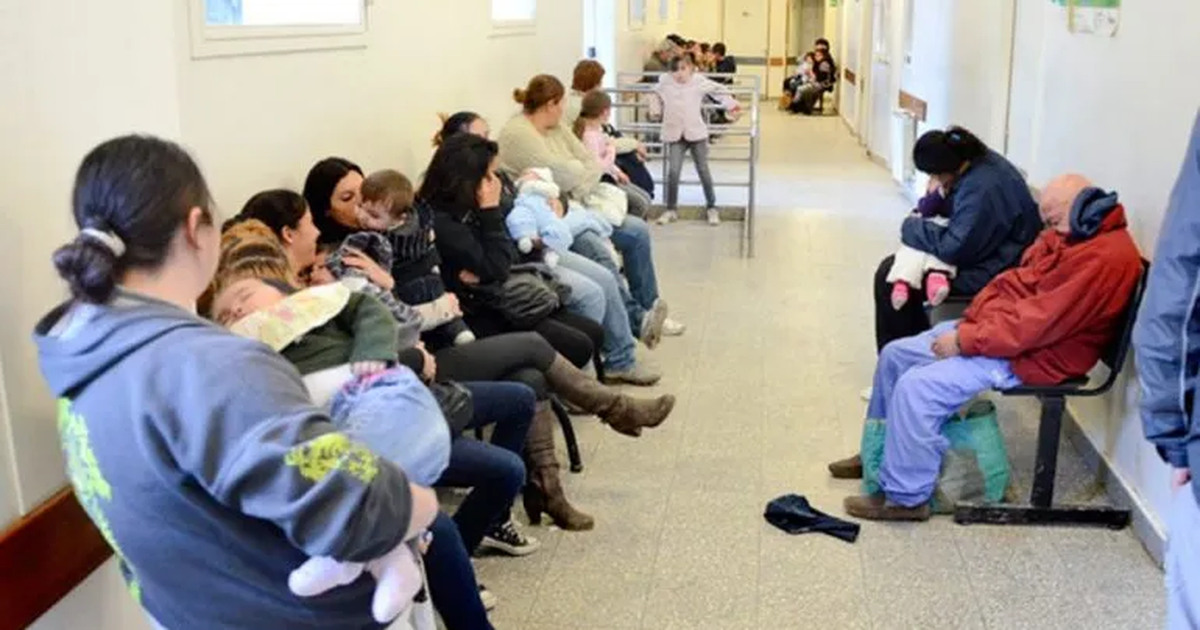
(332, 452)
(91, 488)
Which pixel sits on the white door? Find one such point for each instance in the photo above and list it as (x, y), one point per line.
(745, 33)
(880, 94)
(599, 34)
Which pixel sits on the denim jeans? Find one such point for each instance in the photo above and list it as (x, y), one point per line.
(632, 239)
(619, 345)
(494, 471)
(452, 585)
(675, 153)
(587, 297)
(595, 248)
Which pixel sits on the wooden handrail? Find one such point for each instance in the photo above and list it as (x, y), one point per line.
(44, 556)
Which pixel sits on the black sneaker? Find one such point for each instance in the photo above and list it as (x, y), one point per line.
(506, 538)
(489, 600)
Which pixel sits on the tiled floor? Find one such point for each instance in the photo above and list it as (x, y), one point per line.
(768, 379)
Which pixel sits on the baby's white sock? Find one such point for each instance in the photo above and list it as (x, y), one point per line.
(321, 574)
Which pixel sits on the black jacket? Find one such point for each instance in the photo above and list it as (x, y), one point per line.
(476, 241)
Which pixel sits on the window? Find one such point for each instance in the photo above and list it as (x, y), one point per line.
(246, 27)
(514, 10)
(664, 11)
(514, 17)
(637, 13)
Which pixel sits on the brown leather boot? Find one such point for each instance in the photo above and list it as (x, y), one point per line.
(626, 415)
(849, 468)
(544, 493)
(876, 507)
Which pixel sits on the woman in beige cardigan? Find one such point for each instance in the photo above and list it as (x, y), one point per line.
(536, 139)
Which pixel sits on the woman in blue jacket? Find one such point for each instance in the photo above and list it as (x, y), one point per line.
(993, 219)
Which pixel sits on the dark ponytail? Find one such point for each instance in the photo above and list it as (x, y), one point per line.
(131, 195)
(965, 144)
(940, 152)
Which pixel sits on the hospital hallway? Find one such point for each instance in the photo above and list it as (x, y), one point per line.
(768, 378)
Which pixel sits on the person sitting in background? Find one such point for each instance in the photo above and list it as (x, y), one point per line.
(805, 75)
(706, 59)
(723, 63)
(824, 78)
(631, 153)
(387, 209)
(662, 55)
(589, 127)
(1041, 323)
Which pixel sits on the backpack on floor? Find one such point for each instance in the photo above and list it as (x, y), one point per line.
(975, 467)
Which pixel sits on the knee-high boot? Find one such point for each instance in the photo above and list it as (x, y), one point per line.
(626, 415)
(544, 492)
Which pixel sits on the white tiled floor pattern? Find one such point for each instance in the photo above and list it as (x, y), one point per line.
(768, 379)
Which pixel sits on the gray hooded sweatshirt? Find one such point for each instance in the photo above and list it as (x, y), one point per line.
(200, 459)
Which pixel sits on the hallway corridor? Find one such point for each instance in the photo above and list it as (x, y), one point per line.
(768, 377)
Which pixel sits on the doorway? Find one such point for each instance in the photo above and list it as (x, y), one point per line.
(880, 91)
(600, 35)
(746, 33)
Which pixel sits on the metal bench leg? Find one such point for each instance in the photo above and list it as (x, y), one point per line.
(568, 429)
(1041, 509)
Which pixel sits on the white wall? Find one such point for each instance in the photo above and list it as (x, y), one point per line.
(263, 121)
(635, 43)
(1118, 110)
(76, 72)
(703, 20)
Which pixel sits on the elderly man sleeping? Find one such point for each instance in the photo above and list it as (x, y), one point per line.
(1040, 323)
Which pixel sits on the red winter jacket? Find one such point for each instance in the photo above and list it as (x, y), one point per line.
(1055, 313)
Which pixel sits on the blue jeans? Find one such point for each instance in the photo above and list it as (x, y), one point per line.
(598, 283)
(494, 471)
(914, 393)
(619, 345)
(632, 239)
(594, 247)
(452, 585)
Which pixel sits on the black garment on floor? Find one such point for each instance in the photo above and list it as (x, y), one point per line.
(793, 514)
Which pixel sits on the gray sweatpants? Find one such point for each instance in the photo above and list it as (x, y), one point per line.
(675, 153)
(1183, 561)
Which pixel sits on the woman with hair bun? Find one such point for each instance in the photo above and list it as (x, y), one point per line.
(208, 490)
(992, 218)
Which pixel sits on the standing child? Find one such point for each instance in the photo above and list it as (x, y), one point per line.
(387, 207)
(590, 128)
(681, 96)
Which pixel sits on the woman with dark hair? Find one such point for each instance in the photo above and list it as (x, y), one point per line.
(451, 185)
(992, 219)
(208, 490)
(529, 358)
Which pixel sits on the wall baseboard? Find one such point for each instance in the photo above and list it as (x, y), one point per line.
(1119, 492)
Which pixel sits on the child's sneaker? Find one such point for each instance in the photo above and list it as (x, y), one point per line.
(508, 539)
(669, 216)
(937, 288)
(488, 599)
(463, 338)
(899, 295)
(714, 216)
